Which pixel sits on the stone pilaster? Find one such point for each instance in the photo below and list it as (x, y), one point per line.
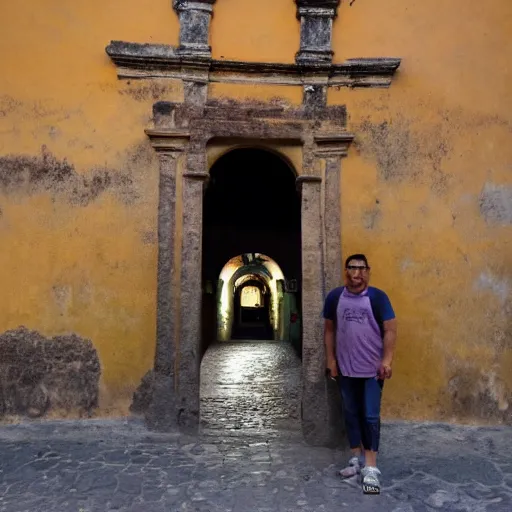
(162, 412)
(315, 414)
(195, 17)
(332, 149)
(194, 179)
(316, 20)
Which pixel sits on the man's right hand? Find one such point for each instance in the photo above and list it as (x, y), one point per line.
(332, 367)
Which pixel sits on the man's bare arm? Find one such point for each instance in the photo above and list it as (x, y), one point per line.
(390, 328)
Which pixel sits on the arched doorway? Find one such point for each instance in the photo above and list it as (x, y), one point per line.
(251, 263)
(251, 210)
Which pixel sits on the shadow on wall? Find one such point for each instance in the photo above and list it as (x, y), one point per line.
(39, 375)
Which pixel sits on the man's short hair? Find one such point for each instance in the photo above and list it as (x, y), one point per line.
(360, 257)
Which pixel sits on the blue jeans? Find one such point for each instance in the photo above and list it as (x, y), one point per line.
(361, 406)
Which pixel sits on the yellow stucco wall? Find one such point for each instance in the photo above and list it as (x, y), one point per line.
(424, 151)
(83, 269)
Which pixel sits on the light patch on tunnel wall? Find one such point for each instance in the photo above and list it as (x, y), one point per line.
(251, 297)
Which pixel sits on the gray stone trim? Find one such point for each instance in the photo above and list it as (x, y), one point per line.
(183, 130)
(191, 296)
(332, 149)
(333, 145)
(194, 16)
(316, 21)
(135, 60)
(160, 414)
(332, 222)
(168, 141)
(315, 414)
(333, 4)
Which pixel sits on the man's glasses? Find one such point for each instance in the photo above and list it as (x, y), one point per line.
(355, 268)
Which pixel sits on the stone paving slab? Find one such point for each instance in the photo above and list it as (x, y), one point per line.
(117, 465)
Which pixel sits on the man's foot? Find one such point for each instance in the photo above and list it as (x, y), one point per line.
(371, 484)
(353, 468)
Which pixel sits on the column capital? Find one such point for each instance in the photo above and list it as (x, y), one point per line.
(308, 178)
(168, 141)
(335, 145)
(193, 5)
(327, 8)
(198, 176)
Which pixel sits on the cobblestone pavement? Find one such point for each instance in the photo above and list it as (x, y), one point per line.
(256, 462)
(250, 387)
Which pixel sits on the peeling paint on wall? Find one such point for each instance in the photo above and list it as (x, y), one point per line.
(371, 218)
(475, 394)
(45, 173)
(496, 203)
(499, 286)
(149, 89)
(403, 151)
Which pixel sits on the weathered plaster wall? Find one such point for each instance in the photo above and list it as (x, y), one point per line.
(262, 31)
(78, 184)
(427, 194)
(426, 187)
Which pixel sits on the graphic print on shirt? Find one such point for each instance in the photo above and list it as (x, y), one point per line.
(358, 315)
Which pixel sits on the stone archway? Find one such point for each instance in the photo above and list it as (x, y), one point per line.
(181, 136)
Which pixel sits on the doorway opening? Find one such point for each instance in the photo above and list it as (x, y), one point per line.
(251, 271)
(251, 230)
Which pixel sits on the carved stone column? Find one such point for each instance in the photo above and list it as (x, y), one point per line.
(316, 19)
(162, 412)
(195, 16)
(194, 179)
(332, 148)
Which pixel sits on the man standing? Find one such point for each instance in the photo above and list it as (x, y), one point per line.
(360, 334)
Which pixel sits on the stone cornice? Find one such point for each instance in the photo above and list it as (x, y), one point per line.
(178, 5)
(318, 3)
(182, 5)
(308, 178)
(134, 60)
(333, 145)
(168, 141)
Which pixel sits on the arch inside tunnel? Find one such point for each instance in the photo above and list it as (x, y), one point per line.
(252, 220)
(267, 321)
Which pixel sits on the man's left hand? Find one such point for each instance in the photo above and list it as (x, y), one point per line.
(385, 371)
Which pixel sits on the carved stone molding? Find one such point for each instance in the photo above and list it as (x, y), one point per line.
(333, 145)
(168, 141)
(195, 16)
(134, 60)
(333, 4)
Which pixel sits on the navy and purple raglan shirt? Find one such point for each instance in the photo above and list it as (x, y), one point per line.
(358, 320)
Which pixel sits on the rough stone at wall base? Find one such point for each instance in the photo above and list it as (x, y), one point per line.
(161, 415)
(39, 374)
(143, 395)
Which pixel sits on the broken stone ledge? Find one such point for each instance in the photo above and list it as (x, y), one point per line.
(136, 60)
